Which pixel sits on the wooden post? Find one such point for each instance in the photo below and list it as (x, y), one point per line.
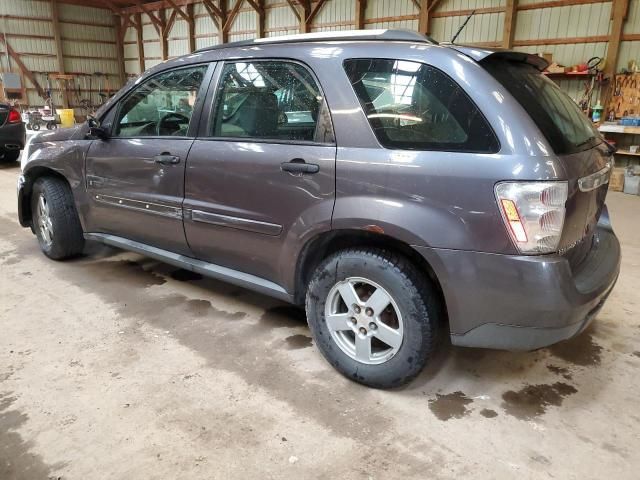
(164, 43)
(510, 18)
(191, 28)
(59, 53)
(261, 18)
(222, 31)
(619, 10)
(424, 18)
(361, 6)
(140, 41)
(120, 33)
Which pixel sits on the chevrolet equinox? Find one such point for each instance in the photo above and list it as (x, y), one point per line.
(391, 185)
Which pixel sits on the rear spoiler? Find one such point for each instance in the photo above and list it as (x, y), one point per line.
(482, 54)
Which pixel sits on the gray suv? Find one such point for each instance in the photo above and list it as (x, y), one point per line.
(391, 185)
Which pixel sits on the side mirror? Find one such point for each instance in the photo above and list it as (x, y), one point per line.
(95, 130)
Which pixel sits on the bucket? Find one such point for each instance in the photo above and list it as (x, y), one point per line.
(66, 117)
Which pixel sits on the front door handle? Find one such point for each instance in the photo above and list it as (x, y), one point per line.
(166, 158)
(298, 165)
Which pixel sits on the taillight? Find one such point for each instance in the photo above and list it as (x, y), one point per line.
(14, 116)
(533, 213)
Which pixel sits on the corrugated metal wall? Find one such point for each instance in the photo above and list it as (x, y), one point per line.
(571, 33)
(88, 46)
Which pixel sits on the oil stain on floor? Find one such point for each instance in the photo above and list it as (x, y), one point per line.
(532, 400)
(581, 350)
(16, 459)
(450, 405)
(295, 342)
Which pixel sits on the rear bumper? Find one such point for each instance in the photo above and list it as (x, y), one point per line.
(524, 302)
(23, 197)
(13, 136)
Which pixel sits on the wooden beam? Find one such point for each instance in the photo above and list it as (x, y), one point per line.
(433, 4)
(157, 22)
(305, 9)
(120, 32)
(25, 71)
(191, 28)
(509, 28)
(232, 15)
(424, 19)
(140, 42)
(260, 21)
(314, 11)
(361, 6)
(179, 10)
(164, 43)
(212, 9)
(294, 8)
(170, 23)
(224, 34)
(619, 10)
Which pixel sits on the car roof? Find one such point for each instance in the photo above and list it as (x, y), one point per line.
(382, 35)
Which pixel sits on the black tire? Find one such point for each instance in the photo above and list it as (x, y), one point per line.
(412, 292)
(10, 156)
(67, 239)
(35, 127)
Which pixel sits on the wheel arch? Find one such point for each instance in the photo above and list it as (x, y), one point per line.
(327, 243)
(30, 179)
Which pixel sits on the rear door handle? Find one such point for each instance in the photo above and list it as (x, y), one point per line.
(298, 165)
(166, 158)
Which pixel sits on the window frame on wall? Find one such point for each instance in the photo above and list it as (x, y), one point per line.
(493, 145)
(324, 133)
(113, 114)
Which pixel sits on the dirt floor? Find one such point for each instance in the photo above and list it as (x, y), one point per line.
(114, 366)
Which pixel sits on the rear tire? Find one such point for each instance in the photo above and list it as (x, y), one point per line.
(384, 335)
(55, 219)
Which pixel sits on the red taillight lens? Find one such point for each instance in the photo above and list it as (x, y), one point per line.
(14, 116)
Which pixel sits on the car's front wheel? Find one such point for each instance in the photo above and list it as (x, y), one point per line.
(373, 316)
(55, 219)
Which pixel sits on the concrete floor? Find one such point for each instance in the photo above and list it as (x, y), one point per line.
(114, 366)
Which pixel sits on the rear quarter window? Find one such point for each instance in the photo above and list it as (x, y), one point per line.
(415, 106)
(564, 125)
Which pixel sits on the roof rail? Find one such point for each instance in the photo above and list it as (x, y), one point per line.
(345, 35)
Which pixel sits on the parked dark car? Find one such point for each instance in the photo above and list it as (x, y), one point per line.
(12, 133)
(391, 185)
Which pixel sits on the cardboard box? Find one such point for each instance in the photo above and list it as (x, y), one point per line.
(616, 181)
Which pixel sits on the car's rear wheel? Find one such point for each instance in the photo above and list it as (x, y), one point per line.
(10, 156)
(55, 219)
(373, 316)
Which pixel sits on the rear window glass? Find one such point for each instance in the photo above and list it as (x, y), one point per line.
(414, 106)
(559, 118)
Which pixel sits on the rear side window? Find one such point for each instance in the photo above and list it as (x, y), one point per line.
(414, 106)
(565, 127)
(277, 100)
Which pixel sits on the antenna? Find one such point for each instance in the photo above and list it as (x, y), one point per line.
(464, 24)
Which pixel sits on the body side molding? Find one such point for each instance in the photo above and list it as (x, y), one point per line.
(218, 272)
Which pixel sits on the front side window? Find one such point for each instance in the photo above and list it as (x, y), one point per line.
(414, 106)
(162, 106)
(276, 100)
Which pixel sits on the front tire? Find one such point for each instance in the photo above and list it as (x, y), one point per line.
(55, 219)
(373, 316)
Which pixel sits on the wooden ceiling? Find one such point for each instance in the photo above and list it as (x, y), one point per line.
(131, 6)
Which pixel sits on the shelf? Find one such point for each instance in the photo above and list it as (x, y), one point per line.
(627, 152)
(619, 129)
(568, 74)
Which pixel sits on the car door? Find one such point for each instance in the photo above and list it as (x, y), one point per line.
(135, 177)
(260, 177)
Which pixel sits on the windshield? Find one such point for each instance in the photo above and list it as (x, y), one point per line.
(567, 129)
